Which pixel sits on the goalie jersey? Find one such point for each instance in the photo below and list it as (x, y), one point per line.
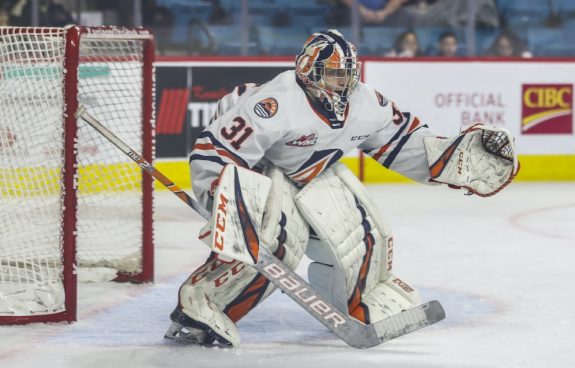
(280, 123)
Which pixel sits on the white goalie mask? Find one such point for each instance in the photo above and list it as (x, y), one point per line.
(328, 67)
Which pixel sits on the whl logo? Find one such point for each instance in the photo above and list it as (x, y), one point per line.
(304, 141)
(547, 109)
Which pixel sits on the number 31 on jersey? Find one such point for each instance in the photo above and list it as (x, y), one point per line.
(237, 133)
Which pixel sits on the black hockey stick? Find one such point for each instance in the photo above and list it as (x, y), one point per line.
(350, 330)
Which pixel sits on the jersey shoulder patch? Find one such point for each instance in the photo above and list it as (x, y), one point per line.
(266, 108)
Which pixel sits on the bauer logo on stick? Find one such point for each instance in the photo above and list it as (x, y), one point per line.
(266, 108)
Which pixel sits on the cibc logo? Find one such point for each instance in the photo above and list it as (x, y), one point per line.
(547, 109)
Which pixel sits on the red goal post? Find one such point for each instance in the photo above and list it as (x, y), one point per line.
(70, 203)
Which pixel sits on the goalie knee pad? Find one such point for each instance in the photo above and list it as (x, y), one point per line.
(235, 288)
(354, 246)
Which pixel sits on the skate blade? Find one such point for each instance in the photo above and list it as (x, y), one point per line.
(189, 336)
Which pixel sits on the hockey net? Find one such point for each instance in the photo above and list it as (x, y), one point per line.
(69, 200)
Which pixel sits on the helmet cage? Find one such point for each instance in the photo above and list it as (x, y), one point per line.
(337, 78)
(329, 69)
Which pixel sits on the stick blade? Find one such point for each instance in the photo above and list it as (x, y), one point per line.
(403, 323)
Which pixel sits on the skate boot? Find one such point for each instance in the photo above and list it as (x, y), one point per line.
(200, 323)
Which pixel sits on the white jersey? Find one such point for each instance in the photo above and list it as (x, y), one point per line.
(278, 122)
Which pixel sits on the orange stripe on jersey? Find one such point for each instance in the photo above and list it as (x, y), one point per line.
(311, 172)
(381, 151)
(221, 152)
(413, 125)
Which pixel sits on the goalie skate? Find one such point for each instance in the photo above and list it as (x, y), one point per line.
(188, 331)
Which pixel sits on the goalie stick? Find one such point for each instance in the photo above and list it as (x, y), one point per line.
(350, 330)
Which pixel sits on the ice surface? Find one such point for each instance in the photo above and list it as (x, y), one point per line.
(503, 267)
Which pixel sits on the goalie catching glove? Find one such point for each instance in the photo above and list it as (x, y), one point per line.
(481, 159)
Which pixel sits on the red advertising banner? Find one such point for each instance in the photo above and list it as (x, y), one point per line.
(547, 109)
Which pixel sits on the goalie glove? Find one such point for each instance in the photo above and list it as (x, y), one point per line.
(482, 159)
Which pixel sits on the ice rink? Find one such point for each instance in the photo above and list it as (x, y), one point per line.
(503, 267)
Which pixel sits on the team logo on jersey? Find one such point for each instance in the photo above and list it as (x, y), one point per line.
(266, 108)
(547, 109)
(382, 100)
(303, 141)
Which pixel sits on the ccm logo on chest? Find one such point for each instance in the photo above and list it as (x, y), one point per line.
(305, 295)
(359, 137)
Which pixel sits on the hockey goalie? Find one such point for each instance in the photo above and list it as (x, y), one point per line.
(293, 130)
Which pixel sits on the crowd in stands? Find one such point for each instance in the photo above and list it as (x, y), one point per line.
(401, 28)
(19, 13)
(392, 28)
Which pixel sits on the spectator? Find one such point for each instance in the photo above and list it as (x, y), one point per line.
(4, 17)
(447, 45)
(406, 45)
(19, 13)
(434, 13)
(376, 11)
(219, 15)
(56, 15)
(201, 40)
(51, 13)
(508, 44)
(160, 20)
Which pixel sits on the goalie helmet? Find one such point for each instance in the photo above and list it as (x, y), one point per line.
(328, 67)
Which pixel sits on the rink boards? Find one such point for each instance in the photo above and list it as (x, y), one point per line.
(532, 98)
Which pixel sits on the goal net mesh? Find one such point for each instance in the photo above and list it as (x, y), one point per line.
(109, 189)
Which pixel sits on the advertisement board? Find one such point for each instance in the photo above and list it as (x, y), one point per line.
(187, 93)
(533, 100)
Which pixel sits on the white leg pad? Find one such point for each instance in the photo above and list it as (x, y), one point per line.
(234, 287)
(356, 242)
(390, 297)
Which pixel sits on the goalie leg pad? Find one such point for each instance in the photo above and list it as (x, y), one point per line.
(234, 288)
(354, 246)
(287, 241)
(389, 297)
